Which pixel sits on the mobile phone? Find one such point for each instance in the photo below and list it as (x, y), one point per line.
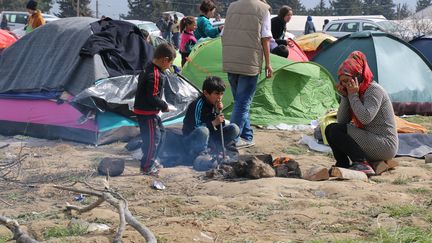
(359, 78)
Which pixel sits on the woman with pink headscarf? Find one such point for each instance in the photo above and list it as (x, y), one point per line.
(366, 129)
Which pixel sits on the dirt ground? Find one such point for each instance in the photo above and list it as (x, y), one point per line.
(193, 209)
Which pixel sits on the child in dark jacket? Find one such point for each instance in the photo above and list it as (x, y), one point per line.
(202, 122)
(148, 104)
(188, 40)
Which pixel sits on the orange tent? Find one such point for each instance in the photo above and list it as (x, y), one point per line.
(6, 39)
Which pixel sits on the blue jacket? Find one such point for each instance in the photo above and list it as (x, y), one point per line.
(205, 29)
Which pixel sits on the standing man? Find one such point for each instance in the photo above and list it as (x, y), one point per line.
(245, 42)
(35, 18)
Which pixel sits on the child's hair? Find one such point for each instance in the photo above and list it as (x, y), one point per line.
(165, 50)
(281, 50)
(207, 6)
(145, 33)
(213, 83)
(185, 22)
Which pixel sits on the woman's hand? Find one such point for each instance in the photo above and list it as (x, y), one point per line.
(341, 90)
(352, 86)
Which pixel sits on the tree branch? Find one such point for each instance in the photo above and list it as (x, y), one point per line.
(121, 205)
(15, 228)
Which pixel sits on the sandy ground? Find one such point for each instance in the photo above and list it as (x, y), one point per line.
(193, 209)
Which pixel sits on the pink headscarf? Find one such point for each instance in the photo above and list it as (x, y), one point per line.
(354, 66)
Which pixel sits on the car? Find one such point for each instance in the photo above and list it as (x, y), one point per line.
(341, 27)
(17, 19)
(146, 25)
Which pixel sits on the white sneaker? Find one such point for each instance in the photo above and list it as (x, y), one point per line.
(242, 143)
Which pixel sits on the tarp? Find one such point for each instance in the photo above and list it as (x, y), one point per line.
(118, 94)
(296, 94)
(397, 66)
(424, 45)
(48, 59)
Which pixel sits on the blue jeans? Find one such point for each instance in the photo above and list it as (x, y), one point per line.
(198, 140)
(243, 89)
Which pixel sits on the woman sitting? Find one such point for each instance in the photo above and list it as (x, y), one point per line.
(365, 129)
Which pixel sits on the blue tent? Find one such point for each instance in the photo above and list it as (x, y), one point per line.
(424, 45)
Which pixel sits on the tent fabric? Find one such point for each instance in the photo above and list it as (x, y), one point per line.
(295, 52)
(121, 46)
(312, 43)
(424, 45)
(6, 39)
(402, 71)
(296, 94)
(41, 61)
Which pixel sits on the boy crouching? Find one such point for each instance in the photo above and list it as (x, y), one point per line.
(148, 104)
(203, 121)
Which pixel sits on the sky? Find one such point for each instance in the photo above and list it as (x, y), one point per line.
(113, 8)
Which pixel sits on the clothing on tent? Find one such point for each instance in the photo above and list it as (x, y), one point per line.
(121, 46)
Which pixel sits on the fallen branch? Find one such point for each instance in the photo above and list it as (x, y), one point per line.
(15, 228)
(3, 201)
(122, 206)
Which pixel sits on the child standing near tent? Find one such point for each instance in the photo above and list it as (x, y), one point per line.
(188, 40)
(202, 124)
(148, 104)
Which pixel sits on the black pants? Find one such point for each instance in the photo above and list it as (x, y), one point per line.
(343, 146)
(184, 56)
(152, 135)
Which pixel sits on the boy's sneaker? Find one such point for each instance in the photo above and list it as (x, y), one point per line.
(242, 143)
(153, 171)
(363, 167)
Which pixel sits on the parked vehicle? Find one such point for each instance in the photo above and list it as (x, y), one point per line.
(342, 27)
(146, 25)
(17, 19)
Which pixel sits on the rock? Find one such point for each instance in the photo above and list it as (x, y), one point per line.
(291, 169)
(428, 158)
(94, 227)
(254, 168)
(111, 166)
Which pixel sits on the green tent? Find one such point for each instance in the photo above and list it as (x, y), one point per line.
(297, 93)
(397, 66)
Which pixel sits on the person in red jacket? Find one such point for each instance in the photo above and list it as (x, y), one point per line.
(148, 104)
